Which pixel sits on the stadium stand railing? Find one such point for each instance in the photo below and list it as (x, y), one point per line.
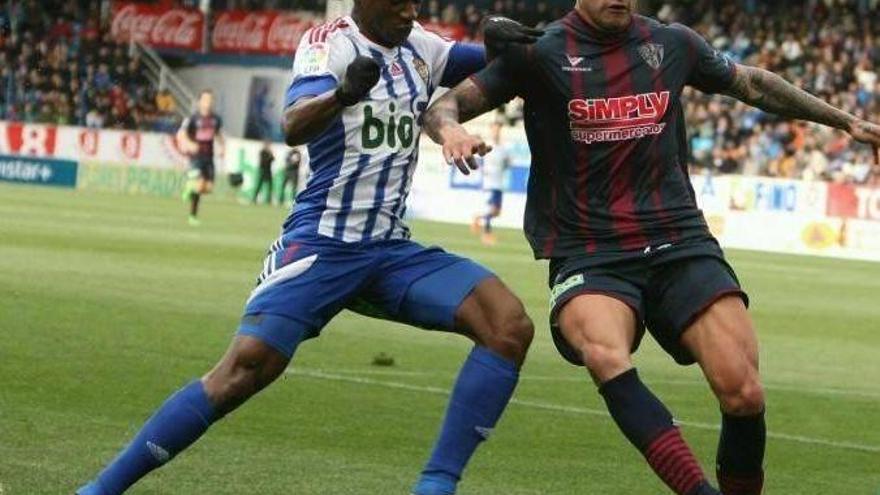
(163, 77)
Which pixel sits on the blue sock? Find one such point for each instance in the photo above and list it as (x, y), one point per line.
(181, 420)
(482, 391)
(487, 223)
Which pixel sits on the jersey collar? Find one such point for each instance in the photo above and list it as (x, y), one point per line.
(384, 50)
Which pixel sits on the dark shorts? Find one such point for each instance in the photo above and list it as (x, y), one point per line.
(496, 197)
(202, 168)
(307, 280)
(668, 288)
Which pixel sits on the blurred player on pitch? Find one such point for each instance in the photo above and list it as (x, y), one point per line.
(196, 138)
(611, 205)
(360, 85)
(495, 167)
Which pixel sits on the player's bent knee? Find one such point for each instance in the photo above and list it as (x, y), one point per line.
(246, 369)
(511, 335)
(742, 398)
(605, 362)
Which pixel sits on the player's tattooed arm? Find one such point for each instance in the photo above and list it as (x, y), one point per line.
(442, 122)
(461, 104)
(771, 93)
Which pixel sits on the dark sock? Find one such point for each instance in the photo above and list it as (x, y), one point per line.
(647, 424)
(194, 198)
(487, 224)
(741, 454)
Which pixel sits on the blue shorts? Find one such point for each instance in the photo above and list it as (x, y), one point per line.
(495, 198)
(306, 281)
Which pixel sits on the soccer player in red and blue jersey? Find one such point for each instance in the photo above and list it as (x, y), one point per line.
(611, 206)
(196, 137)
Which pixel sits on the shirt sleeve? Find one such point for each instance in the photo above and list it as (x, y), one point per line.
(318, 66)
(501, 80)
(463, 60)
(712, 71)
(450, 62)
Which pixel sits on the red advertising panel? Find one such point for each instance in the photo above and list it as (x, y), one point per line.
(33, 140)
(264, 32)
(848, 201)
(160, 25)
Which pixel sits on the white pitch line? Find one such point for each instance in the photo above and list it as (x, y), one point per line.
(570, 409)
(585, 379)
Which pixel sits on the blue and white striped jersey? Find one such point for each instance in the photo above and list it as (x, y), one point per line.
(362, 166)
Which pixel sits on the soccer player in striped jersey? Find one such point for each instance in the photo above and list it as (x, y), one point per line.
(360, 85)
(610, 204)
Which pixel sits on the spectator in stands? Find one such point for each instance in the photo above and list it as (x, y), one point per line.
(829, 48)
(58, 66)
(165, 102)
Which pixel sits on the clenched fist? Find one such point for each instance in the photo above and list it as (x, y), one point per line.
(360, 77)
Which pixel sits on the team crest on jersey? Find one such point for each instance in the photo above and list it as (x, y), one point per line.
(422, 69)
(652, 53)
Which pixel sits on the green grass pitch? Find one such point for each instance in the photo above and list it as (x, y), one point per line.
(110, 303)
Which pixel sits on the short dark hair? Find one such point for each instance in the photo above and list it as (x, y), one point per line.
(206, 92)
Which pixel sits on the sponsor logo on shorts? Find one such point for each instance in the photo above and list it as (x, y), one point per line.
(563, 287)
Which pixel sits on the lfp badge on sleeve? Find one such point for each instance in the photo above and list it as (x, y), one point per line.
(38, 171)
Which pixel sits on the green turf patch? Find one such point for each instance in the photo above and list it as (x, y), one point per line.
(109, 303)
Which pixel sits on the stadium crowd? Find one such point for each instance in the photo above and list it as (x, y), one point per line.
(59, 65)
(829, 47)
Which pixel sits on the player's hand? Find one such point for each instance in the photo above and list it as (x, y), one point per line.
(461, 148)
(868, 133)
(865, 132)
(499, 32)
(360, 77)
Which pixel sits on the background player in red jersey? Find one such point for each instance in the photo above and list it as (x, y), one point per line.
(196, 138)
(611, 205)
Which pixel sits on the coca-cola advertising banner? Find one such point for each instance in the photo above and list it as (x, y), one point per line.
(263, 32)
(159, 26)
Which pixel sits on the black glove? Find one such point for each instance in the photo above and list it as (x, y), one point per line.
(360, 77)
(499, 32)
